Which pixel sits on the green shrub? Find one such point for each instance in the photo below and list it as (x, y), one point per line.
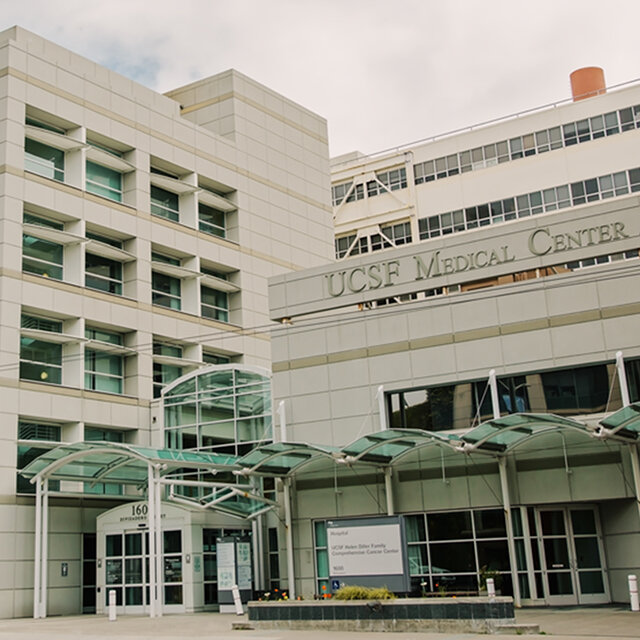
(356, 592)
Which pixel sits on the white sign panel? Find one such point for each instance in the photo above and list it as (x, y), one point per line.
(372, 550)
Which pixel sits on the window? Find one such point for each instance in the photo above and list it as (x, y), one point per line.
(165, 289)
(214, 304)
(387, 181)
(104, 182)
(103, 371)
(274, 559)
(214, 358)
(343, 244)
(583, 389)
(398, 233)
(211, 221)
(165, 204)
(39, 256)
(103, 274)
(448, 551)
(40, 360)
(346, 192)
(47, 436)
(42, 159)
(164, 373)
(429, 409)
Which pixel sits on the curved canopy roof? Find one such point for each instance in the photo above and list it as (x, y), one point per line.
(502, 434)
(117, 463)
(126, 464)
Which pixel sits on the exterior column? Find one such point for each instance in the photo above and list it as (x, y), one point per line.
(37, 560)
(504, 484)
(382, 410)
(152, 540)
(283, 421)
(45, 548)
(289, 538)
(388, 489)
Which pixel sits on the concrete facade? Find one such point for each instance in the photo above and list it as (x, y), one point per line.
(527, 265)
(142, 227)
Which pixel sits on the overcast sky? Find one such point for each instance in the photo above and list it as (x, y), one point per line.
(382, 72)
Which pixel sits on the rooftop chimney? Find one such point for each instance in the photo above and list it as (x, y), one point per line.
(587, 82)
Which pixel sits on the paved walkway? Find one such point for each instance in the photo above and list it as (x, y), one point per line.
(606, 623)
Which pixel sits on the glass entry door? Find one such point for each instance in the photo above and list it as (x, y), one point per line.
(127, 570)
(570, 548)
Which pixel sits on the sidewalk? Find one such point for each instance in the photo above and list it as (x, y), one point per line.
(606, 623)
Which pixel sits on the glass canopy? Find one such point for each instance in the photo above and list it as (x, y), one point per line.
(118, 463)
(502, 434)
(623, 424)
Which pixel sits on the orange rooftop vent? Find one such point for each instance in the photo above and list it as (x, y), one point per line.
(587, 82)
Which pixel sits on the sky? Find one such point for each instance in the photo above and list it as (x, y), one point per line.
(383, 73)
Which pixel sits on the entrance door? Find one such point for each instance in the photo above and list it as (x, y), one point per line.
(571, 556)
(127, 570)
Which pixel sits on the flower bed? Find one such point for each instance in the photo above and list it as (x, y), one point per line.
(459, 615)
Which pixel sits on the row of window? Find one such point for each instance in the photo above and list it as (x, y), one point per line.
(45, 257)
(104, 176)
(574, 391)
(529, 204)
(496, 153)
(392, 235)
(567, 135)
(489, 155)
(384, 182)
(42, 357)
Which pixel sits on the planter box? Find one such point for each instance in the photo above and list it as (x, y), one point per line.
(445, 614)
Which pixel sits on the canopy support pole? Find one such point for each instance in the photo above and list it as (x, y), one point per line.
(45, 548)
(152, 540)
(504, 484)
(37, 564)
(493, 386)
(289, 537)
(622, 379)
(158, 531)
(388, 489)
